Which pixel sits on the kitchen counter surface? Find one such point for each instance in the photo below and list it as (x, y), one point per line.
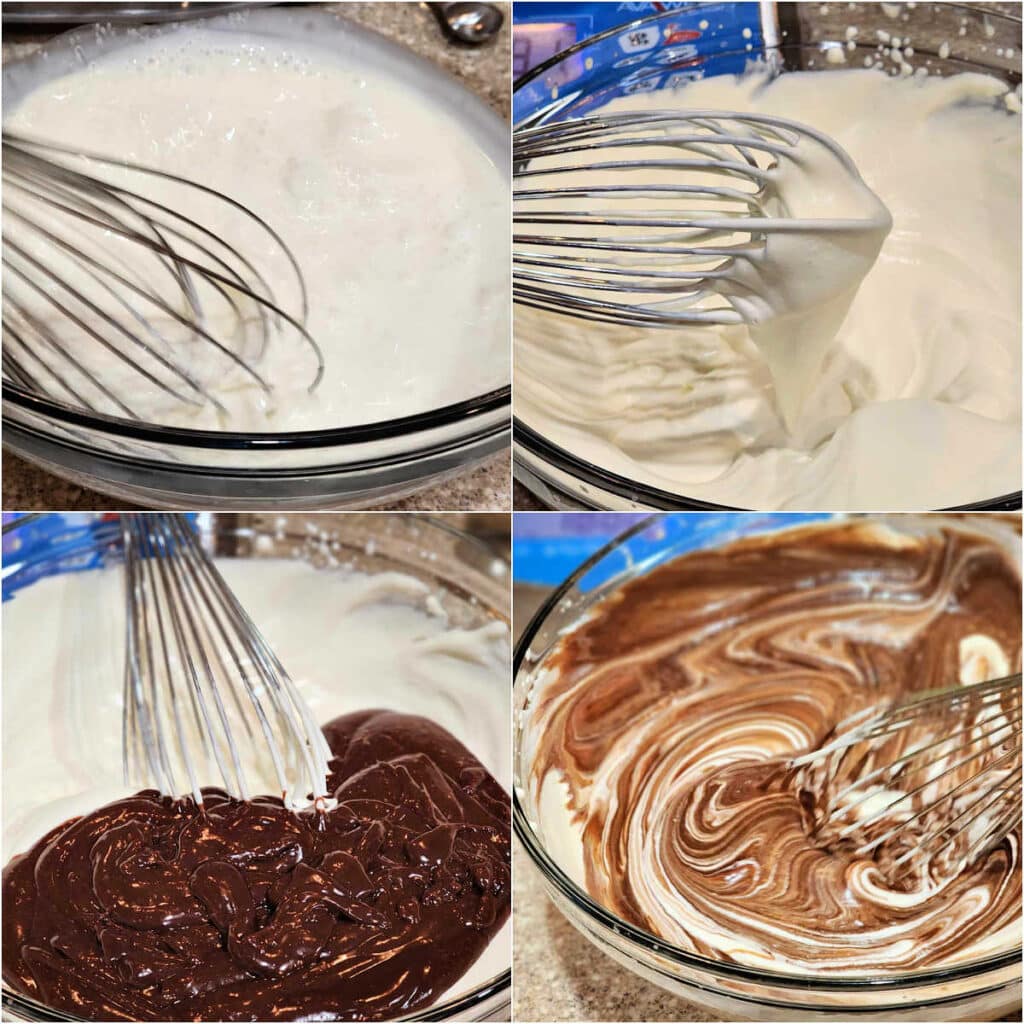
(485, 72)
(27, 488)
(559, 975)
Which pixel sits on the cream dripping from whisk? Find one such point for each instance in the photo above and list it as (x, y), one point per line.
(653, 218)
(826, 232)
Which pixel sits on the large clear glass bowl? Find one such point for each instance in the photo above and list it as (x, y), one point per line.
(471, 583)
(348, 467)
(593, 71)
(987, 989)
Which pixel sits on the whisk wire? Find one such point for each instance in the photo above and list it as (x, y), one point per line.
(159, 230)
(915, 754)
(27, 146)
(1001, 792)
(189, 635)
(944, 767)
(93, 264)
(650, 227)
(143, 679)
(292, 711)
(192, 648)
(168, 267)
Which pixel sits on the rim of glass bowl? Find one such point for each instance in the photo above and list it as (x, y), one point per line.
(459, 412)
(623, 486)
(466, 412)
(481, 560)
(661, 500)
(649, 942)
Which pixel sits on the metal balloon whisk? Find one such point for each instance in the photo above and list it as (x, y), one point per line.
(206, 700)
(126, 286)
(932, 781)
(655, 218)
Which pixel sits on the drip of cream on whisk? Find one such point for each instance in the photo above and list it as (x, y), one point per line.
(824, 231)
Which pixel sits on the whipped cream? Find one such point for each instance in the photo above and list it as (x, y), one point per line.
(898, 391)
(394, 203)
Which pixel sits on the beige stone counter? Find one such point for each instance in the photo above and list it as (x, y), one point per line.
(558, 975)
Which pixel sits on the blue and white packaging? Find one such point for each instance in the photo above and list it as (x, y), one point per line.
(629, 50)
(36, 545)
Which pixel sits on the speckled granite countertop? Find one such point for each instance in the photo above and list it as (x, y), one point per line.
(487, 72)
(27, 488)
(558, 975)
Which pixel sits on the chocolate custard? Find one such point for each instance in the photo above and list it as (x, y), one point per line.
(665, 722)
(157, 909)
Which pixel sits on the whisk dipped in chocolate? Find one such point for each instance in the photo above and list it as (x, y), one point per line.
(947, 763)
(123, 281)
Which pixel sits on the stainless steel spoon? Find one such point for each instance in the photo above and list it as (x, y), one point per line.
(468, 23)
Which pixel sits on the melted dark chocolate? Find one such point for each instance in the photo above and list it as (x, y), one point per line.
(155, 909)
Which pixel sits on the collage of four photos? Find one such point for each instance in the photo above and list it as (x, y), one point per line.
(511, 511)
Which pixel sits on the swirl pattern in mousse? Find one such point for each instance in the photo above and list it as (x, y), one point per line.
(661, 730)
(156, 909)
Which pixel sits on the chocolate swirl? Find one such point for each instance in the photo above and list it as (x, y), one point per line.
(154, 909)
(671, 714)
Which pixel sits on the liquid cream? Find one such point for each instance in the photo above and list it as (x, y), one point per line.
(395, 210)
(904, 394)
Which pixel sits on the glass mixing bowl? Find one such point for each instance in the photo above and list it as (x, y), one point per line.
(594, 71)
(470, 582)
(348, 467)
(985, 989)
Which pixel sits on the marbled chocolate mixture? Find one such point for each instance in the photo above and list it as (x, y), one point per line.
(154, 909)
(667, 720)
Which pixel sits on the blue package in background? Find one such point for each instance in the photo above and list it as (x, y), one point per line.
(51, 543)
(547, 547)
(691, 41)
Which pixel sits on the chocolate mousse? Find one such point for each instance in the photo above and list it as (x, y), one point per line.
(664, 725)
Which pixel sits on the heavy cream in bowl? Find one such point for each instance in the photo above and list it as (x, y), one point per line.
(390, 189)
